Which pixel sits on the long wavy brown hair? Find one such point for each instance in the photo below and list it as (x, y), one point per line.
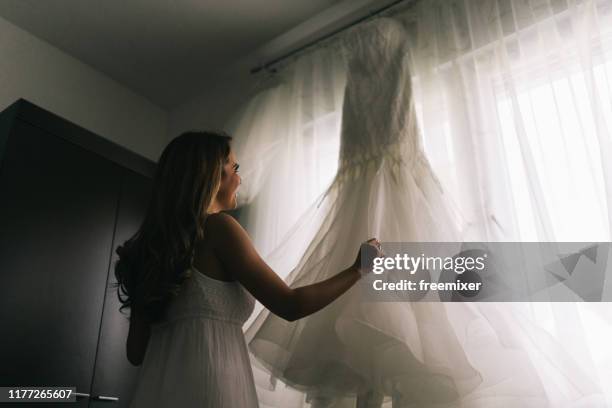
(155, 261)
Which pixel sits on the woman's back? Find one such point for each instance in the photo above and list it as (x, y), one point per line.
(197, 356)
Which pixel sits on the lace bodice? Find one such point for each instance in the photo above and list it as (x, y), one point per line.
(378, 113)
(210, 298)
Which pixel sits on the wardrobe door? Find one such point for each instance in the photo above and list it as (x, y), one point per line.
(58, 206)
(115, 377)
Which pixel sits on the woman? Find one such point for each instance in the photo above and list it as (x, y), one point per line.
(190, 276)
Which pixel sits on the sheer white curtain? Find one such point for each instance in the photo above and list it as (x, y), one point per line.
(286, 141)
(514, 99)
(287, 145)
(515, 106)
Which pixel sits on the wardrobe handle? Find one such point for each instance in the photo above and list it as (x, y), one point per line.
(81, 395)
(105, 398)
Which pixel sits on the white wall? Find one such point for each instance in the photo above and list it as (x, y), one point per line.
(44, 75)
(215, 105)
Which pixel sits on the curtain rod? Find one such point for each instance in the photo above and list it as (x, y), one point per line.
(325, 37)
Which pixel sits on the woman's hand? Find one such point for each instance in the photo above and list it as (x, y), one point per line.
(370, 249)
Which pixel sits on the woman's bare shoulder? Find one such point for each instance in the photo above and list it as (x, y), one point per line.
(223, 229)
(220, 237)
(222, 222)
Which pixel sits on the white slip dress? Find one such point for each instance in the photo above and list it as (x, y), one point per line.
(197, 355)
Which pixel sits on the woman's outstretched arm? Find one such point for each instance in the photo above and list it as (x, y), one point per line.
(232, 245)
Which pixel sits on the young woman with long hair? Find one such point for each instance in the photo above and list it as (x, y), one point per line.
(190, 276)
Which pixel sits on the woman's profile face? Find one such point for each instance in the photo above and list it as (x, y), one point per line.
(230, 181)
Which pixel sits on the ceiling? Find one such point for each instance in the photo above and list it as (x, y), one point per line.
(163, 50)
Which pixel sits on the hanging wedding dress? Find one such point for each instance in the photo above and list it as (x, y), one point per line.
(412, 353)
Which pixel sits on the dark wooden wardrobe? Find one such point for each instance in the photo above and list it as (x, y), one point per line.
(68, 198)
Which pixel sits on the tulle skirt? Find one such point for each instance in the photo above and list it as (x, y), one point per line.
(408, 354)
